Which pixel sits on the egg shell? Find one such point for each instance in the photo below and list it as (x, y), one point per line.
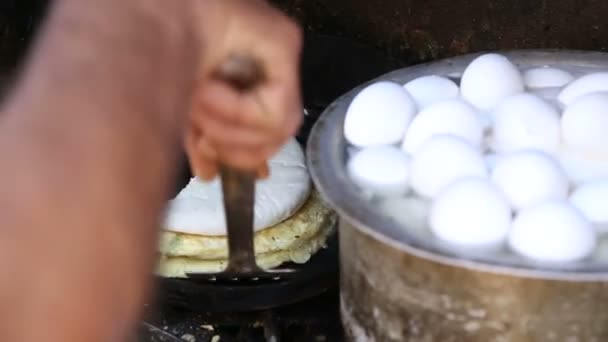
(454, 117)
(550, 96)
(528, 177)
(581, 169)
(486, 121)
(584, 125)
(427, 90)
(592, 200)
(382, 170)
(410, 211)
(553, 232)
(601, 251)
(546, 77)
(471, 212)
(379, 115)
(442, 160)
(525, 121)
(351, 151)
(491, 159)
(489, 79)
(590, 83)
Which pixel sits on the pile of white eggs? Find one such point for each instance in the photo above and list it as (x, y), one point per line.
(508, 157)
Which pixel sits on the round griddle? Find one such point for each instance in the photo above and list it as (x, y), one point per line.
(316, 276)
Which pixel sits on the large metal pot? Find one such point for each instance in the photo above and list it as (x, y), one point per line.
(399, 287)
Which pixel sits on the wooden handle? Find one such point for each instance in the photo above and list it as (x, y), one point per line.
(238, 186)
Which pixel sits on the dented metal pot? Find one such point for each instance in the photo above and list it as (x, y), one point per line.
(397, 286)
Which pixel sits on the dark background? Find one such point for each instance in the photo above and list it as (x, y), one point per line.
(420, 30)
(409, 30)
(401, 32)
(350, 41)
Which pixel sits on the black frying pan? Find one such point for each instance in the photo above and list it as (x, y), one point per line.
(316, 276)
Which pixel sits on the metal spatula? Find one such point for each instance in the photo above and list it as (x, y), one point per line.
(238, 186)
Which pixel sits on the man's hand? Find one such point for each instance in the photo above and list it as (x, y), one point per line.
(88, 142)
(244, 130)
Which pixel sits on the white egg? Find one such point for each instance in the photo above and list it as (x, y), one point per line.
(549, 95)
(471, 212)
(525, 121)
(584, 126)
(382, 170)
(491, 159)
(489, 79)
(454, 117)
(552, 231)
(547, 77)
(351, 151)
(529, 177)
(379, 115)
(442, 160)
(581, 169)
(592, 200)
(590, 83)
(601, 251)
(427, 90)
(410, 211)
(486, 121)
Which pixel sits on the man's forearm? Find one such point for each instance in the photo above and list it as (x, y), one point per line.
(88, 145)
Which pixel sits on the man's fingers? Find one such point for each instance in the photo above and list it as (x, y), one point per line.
(263, 171)
(205, 169)
(201, 155)
(275, 104)
(281, 91)
(224, 103)
(204, 155)
(215, 98)
(273, 111)
(225, 133)
(245, 158)
(244, 129)
(286, 102)
(274, 107)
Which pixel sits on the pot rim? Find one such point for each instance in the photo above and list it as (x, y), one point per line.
(326, 157)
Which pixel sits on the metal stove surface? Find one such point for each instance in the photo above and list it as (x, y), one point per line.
(317, 319)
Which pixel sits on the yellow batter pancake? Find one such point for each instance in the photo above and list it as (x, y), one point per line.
(306, 223)
(178, 267)
(295, 239)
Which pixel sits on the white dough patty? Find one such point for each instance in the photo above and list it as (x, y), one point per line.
(198, 209)
(295, 239)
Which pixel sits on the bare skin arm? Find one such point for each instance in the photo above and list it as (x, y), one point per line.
(88, 144)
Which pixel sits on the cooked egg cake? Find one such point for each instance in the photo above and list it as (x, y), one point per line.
(291, 222)
(295, 239)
